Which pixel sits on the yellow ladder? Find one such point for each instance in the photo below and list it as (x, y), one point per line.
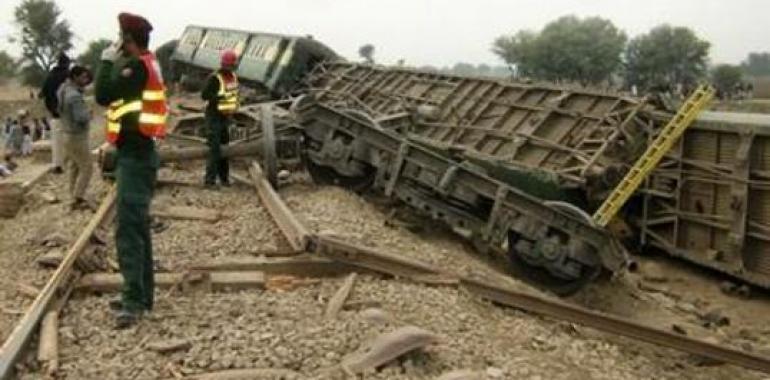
(654, 153)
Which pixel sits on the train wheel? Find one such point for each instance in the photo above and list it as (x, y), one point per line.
(325, 175)
(544, 279)
(541, 276)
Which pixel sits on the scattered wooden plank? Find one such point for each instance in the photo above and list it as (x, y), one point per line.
(27, 290)
(170, 345)
(50, 259)
(13, 346)
(301, 266)
(113, 282)
(241, 179)
(387, 347)
(187, 213)
(284, 283)
(248, 374)
(48, 347)
(338, 299)
(463, 374)
(292, 229)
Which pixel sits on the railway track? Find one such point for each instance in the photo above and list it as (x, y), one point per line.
(321, 255)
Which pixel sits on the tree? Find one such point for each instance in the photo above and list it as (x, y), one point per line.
(483, 70)
(43, 35)
(93, 54)
(570, 48)
(367, 53)
(757, 64)
(666, 56)
(7, 65)
(727, 78)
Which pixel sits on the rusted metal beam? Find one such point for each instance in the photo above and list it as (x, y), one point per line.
(296, 234)
(14, 345)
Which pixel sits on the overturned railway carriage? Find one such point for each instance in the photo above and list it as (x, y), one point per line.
(573, 139)
(709, 200)
(273, 63)
(704, 203)
(270, 66)
(564, 148)
(549, 240)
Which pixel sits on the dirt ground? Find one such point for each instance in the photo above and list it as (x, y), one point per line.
(269, 329)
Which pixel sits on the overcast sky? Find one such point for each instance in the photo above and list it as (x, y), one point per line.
(420, 31)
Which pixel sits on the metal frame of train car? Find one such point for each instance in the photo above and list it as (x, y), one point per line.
(708, 201)
(582, 139)
(555, 239)
(273, 62)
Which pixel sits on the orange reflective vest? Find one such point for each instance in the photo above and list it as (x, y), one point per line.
(152, 108)
(228, 93)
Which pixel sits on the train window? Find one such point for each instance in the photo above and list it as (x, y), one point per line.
(192, 37)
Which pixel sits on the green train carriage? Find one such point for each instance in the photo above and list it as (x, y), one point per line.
(273, 64)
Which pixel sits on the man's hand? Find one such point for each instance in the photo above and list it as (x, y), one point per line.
(112, 52)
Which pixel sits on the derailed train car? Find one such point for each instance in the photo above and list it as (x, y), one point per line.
(559, 151)
(273, 63)
(709, 200)
(573, 139)
(705, 203)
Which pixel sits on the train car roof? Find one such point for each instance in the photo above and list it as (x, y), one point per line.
(308, 37)
(736, 118)
(734, 122)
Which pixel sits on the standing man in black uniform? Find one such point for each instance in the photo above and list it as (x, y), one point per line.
(221, 92)
(136, 117)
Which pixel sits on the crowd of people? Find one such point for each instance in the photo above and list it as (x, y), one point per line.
(21, 131)
(67, 129)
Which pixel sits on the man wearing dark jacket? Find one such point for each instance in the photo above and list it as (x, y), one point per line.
(221, 92)
(48, 93)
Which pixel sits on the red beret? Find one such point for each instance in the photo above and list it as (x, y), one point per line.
(133, 23)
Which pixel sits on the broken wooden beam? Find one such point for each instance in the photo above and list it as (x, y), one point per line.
(27, 290)
(296, 234)
(378, 261)
(187, 213)
(247, 374)
(13, 346)
(113, 282)
(338, 299)
(48, 348)
(252, 148)
(301, 266)
(463, 374)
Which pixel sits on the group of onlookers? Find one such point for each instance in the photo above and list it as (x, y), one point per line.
(70, 118)
(21, 131)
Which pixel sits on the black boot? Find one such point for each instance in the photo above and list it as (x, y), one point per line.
(127, 318)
